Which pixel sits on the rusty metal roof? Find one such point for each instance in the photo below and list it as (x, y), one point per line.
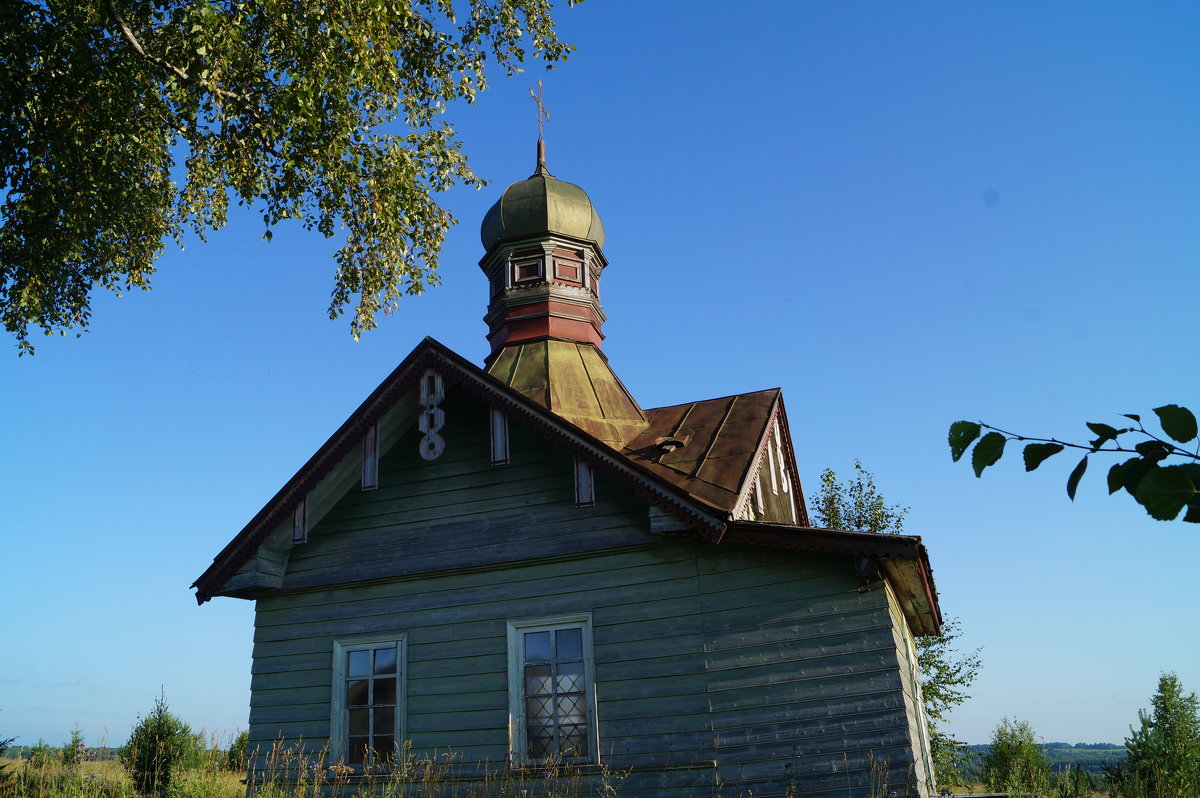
(715, 444)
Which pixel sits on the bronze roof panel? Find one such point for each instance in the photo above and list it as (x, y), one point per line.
(725, 434)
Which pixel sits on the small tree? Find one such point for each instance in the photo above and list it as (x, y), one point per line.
(72, 752)
(856, 504)
(1014, 761)
(1164, 753)
(237, 758)
(41, 754)
(157, 746)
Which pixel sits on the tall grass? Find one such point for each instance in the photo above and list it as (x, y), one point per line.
(290, 771)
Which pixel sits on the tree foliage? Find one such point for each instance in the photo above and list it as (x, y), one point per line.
(127, 122)
(73, 751)
(1164, 752)
(1014, 761)
(237, 758)
(946, 673)
(1162, 476)
(159, 745)
(856, 504)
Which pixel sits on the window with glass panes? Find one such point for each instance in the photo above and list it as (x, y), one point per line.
(553, 664)
(368, 700)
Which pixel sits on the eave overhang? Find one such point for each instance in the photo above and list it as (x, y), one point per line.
(902, 559)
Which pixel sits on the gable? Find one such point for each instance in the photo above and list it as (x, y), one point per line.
(256, 558)
(692, 472)
(461, 511)
(719, 450)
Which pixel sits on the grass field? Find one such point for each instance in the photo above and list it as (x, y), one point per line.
(109, 780)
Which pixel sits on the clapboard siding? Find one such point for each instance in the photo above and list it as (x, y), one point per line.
(913, 700)
(787, 692)
(719, 668)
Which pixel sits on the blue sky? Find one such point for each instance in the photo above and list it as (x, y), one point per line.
(902, 214)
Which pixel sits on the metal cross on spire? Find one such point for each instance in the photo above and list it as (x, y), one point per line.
(543, 115)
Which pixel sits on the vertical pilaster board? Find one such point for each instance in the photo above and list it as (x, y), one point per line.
(585, 484)
(498, 432)
(370, 458)
(300, 522)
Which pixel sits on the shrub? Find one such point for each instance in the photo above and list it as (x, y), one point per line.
(237, 758)
(1015, 762)
(159, 744)
(41, 755)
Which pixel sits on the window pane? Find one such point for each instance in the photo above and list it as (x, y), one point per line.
(385, 660)
(359, 664)
(569, 644)
(356, 693)
(358, 721)
(574, 740)
(537, 646)
(385, 720)
(538, 680)
(541, 742)
(358, 751)
(570, 678)
(385, 691)
(570, 709)
(385, 750)
(539, 709)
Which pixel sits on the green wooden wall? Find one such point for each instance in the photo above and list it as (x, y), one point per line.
(719, 669)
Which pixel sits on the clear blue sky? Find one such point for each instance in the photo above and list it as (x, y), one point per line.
(902, 214)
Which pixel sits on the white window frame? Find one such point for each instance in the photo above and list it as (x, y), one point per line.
(518, 746)
(339, 733)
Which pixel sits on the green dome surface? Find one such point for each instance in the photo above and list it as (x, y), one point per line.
(542, 204)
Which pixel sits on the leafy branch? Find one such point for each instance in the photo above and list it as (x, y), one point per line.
(1162, 489)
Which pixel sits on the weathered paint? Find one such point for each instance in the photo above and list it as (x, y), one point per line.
(719, 668)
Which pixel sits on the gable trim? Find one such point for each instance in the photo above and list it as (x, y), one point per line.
(776, 419)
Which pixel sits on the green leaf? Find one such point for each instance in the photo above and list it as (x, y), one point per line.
(1036, 453)
(1133, 416)
(1076, 475)
(1103, 430)
(1152, 450)
(1131, 475)
(1178, 422)
(987, 452)
(1165, 491)
(1104, 433)
(1116, 476)
(1192, 516)
(962, 433)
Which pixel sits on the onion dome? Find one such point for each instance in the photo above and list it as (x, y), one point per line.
(539, 205)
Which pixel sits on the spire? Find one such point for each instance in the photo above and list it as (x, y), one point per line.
(543, 239)
(543, 116)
